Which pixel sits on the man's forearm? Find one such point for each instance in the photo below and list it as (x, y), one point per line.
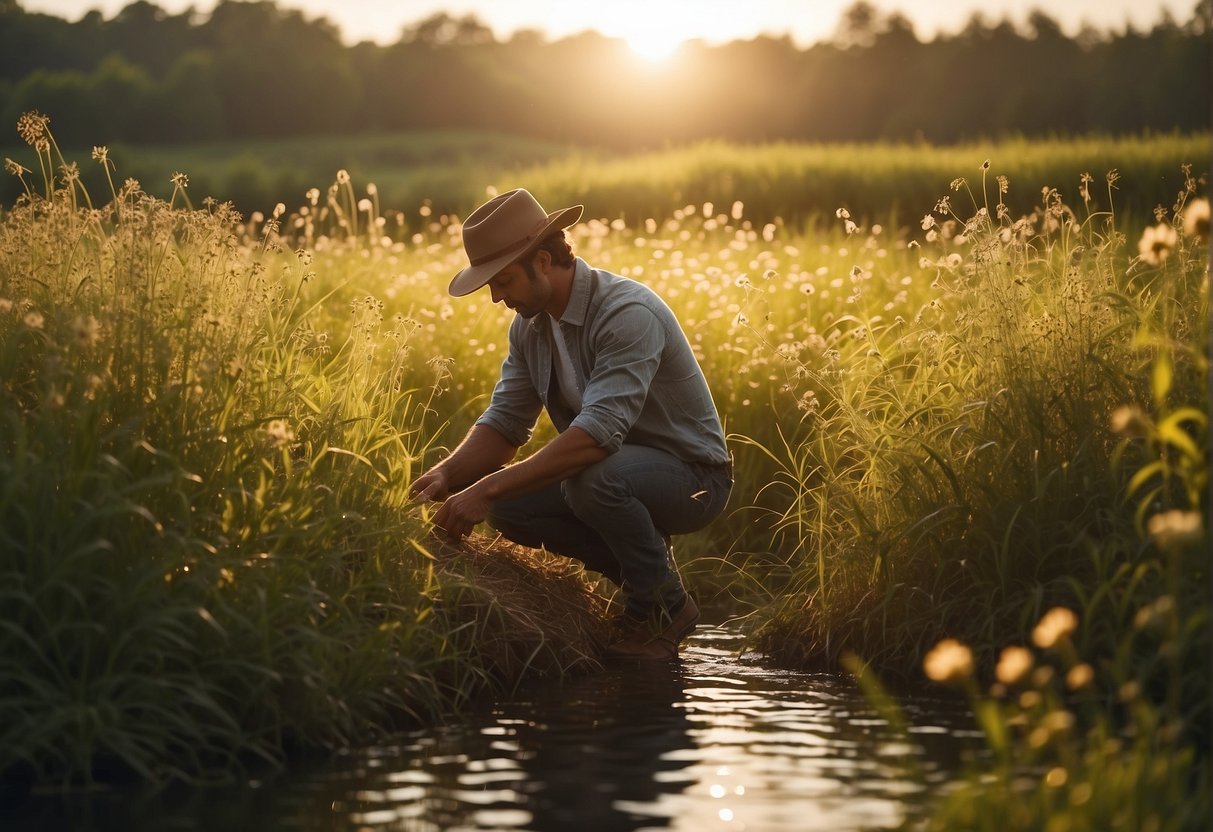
(481, 452)
(566, 455)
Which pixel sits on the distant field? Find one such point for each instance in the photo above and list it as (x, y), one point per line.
(795, 182)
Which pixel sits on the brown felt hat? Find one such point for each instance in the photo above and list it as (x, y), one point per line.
(502, 230)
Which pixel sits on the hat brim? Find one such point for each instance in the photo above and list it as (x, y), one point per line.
(474, 277)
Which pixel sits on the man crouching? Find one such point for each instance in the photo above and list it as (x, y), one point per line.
(640, 454)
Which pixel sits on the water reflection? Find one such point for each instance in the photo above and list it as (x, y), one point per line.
(715, 742)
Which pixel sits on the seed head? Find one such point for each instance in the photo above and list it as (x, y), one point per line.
(32, 127)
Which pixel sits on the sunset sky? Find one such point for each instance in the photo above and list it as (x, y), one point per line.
(656, 26)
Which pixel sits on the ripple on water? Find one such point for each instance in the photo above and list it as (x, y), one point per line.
(717, 741)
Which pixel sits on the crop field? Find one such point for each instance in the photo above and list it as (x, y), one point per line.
(970, 439)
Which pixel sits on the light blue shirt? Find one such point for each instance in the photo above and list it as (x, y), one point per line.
(643, 385)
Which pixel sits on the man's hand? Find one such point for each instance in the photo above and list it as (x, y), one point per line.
(461, 512)
(431, 485)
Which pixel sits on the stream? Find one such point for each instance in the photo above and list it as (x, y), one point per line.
(717, 741)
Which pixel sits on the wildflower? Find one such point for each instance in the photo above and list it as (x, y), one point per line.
(180, 180)
(32, 127)
(948, 661)
(1156, 243)
(842, 214)
(343, 177)
(1013, 665)
(1004, 184)
(313, 196)
(957, 183)
(1155, 614)
(33, 320)
(1175, 529)
(1058, 722)
(279, 433)
(985, 165)
(1056, 624)
(1079, 676)
(70, 172)
(279, 210)
(1130, 420)
(1196, 219)
(101, 154)
(86, 329)
(12, 167)
(954, 260)
(807, 288)
(928, 222)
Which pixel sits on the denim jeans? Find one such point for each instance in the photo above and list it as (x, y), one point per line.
(616, 517)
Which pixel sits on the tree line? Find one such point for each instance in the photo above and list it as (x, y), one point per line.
(255, 69)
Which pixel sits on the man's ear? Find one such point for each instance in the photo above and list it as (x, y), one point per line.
(542, 260)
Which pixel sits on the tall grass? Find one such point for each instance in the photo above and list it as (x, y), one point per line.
(206, 551)
(209, 421)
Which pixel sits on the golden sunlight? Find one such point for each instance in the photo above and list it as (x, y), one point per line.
(654, 44)
(655, 32)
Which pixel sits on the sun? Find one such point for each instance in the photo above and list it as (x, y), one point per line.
(654, 44)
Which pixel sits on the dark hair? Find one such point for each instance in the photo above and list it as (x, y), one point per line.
(559, 246)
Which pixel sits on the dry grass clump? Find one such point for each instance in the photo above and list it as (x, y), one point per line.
(519, 610)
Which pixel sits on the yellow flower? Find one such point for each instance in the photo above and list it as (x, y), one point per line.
(948, 661)
(1056, 624)
(1156, 243)
(1079, 676)
(1176, 529)
(1013, 664)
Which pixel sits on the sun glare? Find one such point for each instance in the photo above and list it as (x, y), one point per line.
(654, 44)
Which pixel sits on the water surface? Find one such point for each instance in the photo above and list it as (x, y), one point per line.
(718, 741)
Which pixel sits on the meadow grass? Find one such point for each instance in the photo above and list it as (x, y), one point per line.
(796, 183)
(208, 556)
(941, 431)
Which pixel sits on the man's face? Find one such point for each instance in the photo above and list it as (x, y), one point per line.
(527, 293)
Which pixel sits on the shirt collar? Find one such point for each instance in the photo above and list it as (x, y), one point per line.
(577, 308)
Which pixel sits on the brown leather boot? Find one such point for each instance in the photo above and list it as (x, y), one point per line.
(648, 642)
